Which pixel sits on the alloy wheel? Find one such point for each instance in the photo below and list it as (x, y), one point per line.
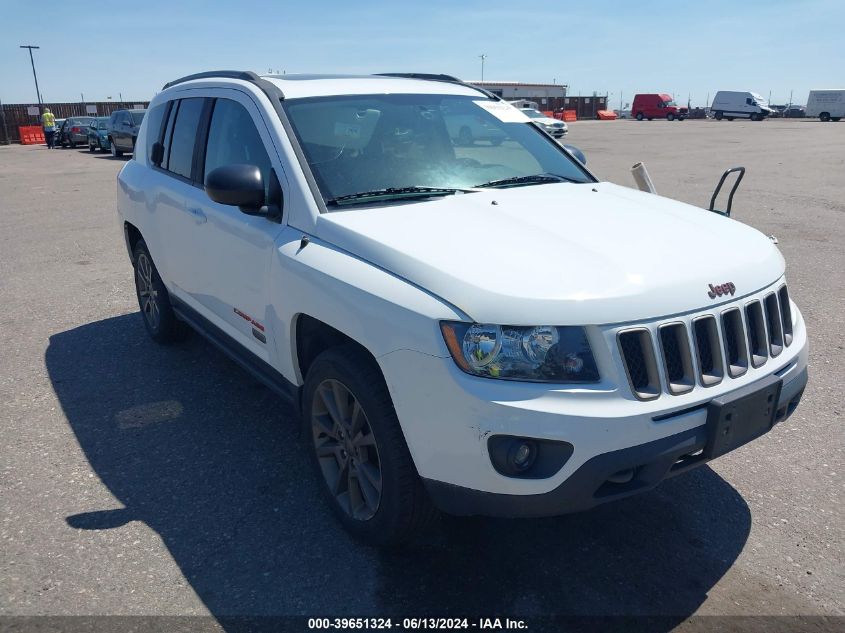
(147, 294)
(346, 450)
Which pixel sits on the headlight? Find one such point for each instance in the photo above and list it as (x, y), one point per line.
(544, 353)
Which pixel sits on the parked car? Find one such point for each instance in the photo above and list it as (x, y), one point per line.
(476, 330)
(555, 127)
(828, 105)
(123, 129)
(657, 106)
(731, 105)
(466, 129)
(98, 135)
(794, 112)
(74, 131)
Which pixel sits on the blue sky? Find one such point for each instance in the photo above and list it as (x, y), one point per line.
(692, 48)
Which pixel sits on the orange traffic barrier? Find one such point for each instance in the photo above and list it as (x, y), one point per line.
(549, 113)
(31, 135)
(570, 115)
(606, 115)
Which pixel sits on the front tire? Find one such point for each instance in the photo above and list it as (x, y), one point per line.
(719, 115)
(825, 116)
(670, 117)
(639, 116)
(161, 322)
(359, 451)
(91, 147)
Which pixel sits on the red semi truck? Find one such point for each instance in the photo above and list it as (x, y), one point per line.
(657, 106)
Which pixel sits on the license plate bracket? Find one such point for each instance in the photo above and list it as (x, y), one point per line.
(739, 417)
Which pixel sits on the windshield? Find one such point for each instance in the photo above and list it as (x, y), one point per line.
(137, 116)
(669, 103)
(366, 143)
(81, 121)
(102, 124)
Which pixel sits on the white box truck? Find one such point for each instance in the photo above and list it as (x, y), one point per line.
(730, 105)
(828, 105)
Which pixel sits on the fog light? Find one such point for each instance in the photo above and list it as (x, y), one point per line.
(522, 455)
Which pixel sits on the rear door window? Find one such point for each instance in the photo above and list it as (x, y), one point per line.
(184, 135)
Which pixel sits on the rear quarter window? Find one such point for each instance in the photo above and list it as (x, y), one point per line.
(155, 123)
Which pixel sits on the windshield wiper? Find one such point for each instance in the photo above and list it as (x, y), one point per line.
(516, 181)
(394, 193)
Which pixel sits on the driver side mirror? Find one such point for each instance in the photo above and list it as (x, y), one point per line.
(242, 186)
(577, 153)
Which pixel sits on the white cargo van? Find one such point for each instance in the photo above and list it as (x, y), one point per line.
(828, 105)
(744, 105)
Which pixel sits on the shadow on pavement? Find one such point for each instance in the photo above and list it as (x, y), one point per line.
(208, 458)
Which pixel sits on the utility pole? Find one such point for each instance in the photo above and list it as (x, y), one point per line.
(34, 75)
(483, 56)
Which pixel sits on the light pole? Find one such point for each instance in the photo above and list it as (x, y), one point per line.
(35, 76)
(483, 56)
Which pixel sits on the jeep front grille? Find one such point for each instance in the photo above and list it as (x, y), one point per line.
(640, 363)
(705, 348)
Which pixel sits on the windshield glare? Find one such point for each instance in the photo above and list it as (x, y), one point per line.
(363, 143)
(137, 116)
(534, 114)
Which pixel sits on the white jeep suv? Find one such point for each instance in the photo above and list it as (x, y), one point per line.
(476, 328)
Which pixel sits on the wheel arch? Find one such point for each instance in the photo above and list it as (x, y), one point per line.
(132, 235)
(313, 336)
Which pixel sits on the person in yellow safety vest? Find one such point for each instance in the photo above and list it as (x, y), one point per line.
(48, 122)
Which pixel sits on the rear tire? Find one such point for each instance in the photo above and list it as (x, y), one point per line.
(365, 469)
(825, 116)
(162, 324)
(639, 116)
(836, 118)
(730, 118)
(71, 143)
(91, 147)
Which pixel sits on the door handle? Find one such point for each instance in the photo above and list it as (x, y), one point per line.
(198, 214)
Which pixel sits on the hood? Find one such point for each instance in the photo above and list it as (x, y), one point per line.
(560, 254)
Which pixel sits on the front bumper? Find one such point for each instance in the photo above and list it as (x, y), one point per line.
(592, 484)
(448, 419)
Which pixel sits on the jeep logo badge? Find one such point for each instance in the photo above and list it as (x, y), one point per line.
(721, 289)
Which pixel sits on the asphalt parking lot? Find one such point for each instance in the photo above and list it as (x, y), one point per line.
(143, 480)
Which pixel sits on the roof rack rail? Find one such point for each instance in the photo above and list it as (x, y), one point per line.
(439, 77)
(429, 76)
(245, 75)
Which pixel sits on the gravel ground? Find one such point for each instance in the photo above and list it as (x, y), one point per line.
(138, 480)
